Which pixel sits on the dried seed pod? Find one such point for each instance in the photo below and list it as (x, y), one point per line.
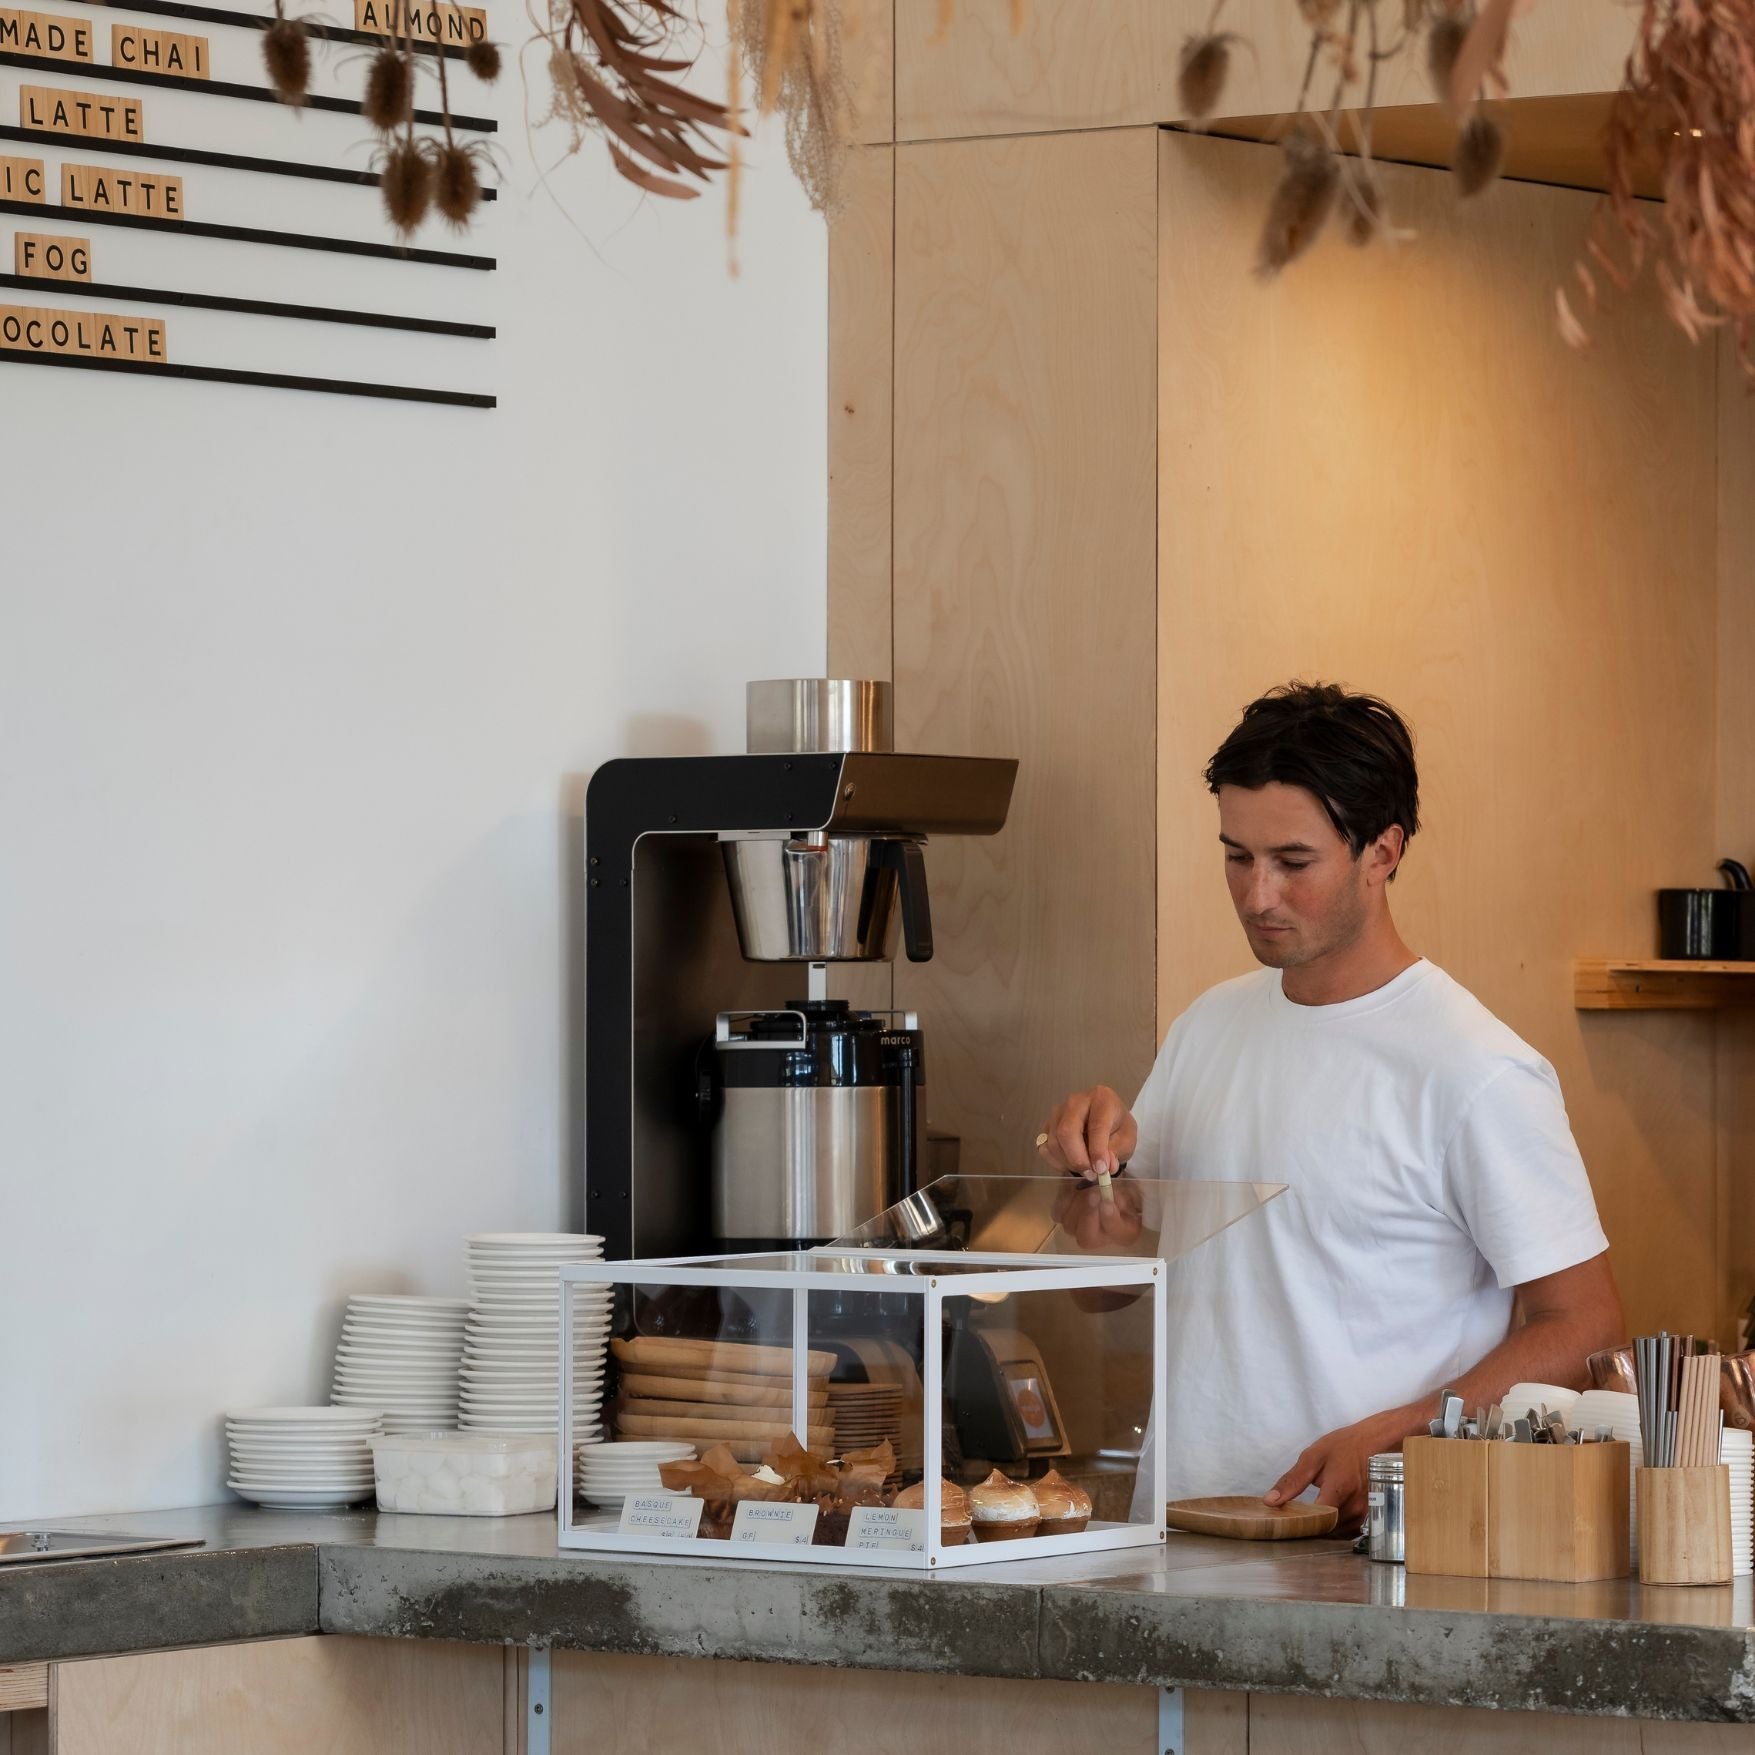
(483, 60)
(407, 183)
(1364, 207)
(286, 52)
(456, 187)
(1480, 151)
(389, 96)
(1301, 204)
(1444, 43)
(1200, 83)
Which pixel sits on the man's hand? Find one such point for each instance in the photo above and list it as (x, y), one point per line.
(1091, 1130)
(1337, 1465)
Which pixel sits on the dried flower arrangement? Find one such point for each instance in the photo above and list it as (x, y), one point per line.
(1687, 106)
(1464, 52)
(615, 70)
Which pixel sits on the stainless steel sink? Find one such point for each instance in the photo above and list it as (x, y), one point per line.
(22, 1545)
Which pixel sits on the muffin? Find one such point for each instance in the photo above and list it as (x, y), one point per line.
(1002, 1510)
(1066, 1509)
(953, 1514)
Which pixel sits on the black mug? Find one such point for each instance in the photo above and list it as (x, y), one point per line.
(1709, 925)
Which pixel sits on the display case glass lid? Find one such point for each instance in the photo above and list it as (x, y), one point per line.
(969, 1224)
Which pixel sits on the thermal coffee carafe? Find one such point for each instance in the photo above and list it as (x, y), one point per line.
(708, 881)
(817, 1120)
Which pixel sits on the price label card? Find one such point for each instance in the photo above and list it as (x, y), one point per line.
(757, 1521)
(672, 1515)
(884, 1526)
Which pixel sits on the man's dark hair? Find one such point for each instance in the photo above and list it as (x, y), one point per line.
(1354, 752)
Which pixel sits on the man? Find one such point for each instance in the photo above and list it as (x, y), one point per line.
(1435, 1190)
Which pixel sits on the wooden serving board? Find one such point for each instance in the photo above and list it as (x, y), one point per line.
(755, 1392)
(712, 1431)
(711, 1358)
(669, 1410)
(1247, 1519)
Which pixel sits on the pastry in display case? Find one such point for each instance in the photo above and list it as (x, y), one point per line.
(969, 1377)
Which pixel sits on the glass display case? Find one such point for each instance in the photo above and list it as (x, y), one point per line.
(968, 1378)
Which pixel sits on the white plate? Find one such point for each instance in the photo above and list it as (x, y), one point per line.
(524, 1239)
(406, 1301)
(434, 1360)
(365, 1378)
(293, 1499)
(280, 1418)
(394, 1367)
(663, 1449)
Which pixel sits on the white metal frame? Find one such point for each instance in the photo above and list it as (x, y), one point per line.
(1002, 1273)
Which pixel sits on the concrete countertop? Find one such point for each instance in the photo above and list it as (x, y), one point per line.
(1306, 1617)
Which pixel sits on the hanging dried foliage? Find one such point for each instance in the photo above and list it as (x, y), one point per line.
(286, 53)
(388, 102)
(1464, 51)
(1686, 107)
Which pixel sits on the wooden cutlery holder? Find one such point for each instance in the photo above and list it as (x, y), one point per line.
(1685, 1526)
(1554, 1512)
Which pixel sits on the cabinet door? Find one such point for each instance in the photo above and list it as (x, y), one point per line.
(332, 1695)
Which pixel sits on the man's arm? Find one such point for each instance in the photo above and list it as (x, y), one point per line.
(1566, 1317)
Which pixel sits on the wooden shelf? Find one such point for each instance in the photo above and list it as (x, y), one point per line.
(1657, 985)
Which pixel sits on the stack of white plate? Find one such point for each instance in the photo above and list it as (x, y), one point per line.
(608, 1473)
(1737, 1447)
(1620, 1413)
(401, 1355)
(293, 1457)
(511, 1339)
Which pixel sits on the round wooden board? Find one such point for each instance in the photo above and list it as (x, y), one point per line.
(1247, 1519)
(750, 1392)
(663, 1355)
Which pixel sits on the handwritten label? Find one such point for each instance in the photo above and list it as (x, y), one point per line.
(95, 334)
(21, 179)
(674, 1516)
(758, 1521)
(44, 257)
(883, 1526)
(44, 35)
(110, 191)
(158, 51)
(51, 111)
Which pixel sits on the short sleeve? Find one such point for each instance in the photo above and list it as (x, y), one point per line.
(1514, 1179)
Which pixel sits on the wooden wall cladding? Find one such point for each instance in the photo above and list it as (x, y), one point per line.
(287, 1697)
(1025, 526)
(1385, 470)
(868, 50)
(1108, 63)
(659, 1703)
(1735, 1032)
(862, 288)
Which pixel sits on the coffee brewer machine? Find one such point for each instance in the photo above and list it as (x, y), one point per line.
(729, 1103)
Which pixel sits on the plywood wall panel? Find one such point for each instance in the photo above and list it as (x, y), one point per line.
(1385, 470)
(730, 1708)
(287, 1697)
(1025, 601)
(1109, 63)
(1735, 1064)
(861, 355)
(868, 50)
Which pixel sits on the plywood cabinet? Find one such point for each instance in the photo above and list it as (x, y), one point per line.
(1383, 469)
(1024, 607)
(1063, 64)
(287, 1697)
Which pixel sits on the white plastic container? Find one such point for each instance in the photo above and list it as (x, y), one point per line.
(465, 1474)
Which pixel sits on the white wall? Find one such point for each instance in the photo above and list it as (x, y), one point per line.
(287, 767)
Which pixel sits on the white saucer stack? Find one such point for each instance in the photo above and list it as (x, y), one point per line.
(401, 1355)
(608, 1473)
(1737, 1448)
(511, 1339)
(293, 1458)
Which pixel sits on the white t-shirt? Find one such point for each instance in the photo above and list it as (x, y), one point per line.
(1431, 1169)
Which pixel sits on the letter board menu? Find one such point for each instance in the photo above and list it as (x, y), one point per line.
(148, 172)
